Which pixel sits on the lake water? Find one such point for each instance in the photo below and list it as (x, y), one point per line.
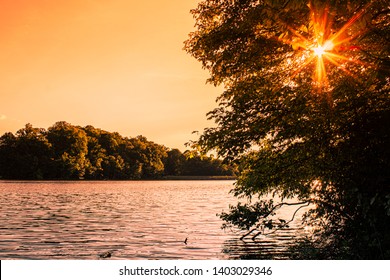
(129, 219)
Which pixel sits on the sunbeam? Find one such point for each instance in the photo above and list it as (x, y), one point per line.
(321, 44)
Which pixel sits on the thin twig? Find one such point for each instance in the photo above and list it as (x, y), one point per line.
(302, 203)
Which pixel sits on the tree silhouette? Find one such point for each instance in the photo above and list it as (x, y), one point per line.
(305, 111)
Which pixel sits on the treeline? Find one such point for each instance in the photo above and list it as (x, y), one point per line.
(65, 151)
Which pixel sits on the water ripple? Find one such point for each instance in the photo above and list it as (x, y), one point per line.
(130, 220)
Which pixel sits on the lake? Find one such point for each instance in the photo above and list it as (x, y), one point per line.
(129, 219)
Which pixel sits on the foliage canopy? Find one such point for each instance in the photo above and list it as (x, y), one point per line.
(305, 111)
(65, 151)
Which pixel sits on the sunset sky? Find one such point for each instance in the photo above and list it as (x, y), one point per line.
(118, 65)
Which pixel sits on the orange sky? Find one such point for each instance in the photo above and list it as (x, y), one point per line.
(115, 64)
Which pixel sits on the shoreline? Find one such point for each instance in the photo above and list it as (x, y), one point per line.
(164, 178)
(195, 178)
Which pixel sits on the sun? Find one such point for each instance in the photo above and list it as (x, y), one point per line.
(321, 44)
(321, 50)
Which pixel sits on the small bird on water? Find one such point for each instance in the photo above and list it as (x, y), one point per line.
(185, 241)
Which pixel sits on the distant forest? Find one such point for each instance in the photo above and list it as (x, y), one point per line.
(65, 151)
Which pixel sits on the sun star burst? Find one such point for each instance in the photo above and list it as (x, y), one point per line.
(322, 45)
(319, 51)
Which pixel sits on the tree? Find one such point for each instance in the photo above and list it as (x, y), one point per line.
(174, 162)
(25, 155)
(197, 164)
(66, 151)
(96, 153)
(305, 112)
(70, 147)
(150, 156)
